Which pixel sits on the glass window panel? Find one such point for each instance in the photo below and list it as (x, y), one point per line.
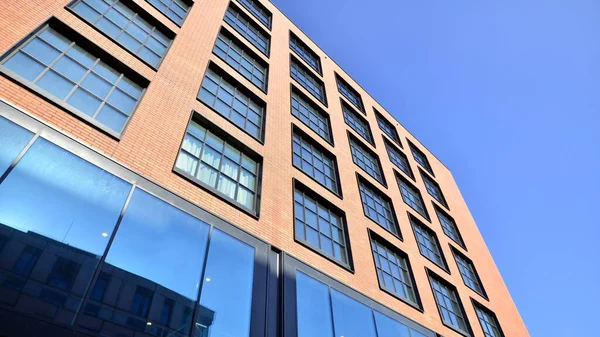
(55, 84)
(388, 327)
(24, 65)
(351, 94)
(366, 160)
(357, 123)
(84, 102)
(69, 68)
(122, 101)
(227, 288)
(378, 208)
(308, 81)
(174, 10)
(313, 307)
(56, 194)
(112, 118)
(313, 162)
(351, 318)
(305, 53)
(42, 51)
(13, 140)
(240, 59)
(247, 29)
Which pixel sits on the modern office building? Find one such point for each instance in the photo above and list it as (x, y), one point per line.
(202, 168)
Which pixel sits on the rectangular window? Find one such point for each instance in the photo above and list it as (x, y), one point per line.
(233, 101)
(352, 95)
(429, 246)
(433, 189)
(307, 80)
(74, 78)
(388, 128)
(320, 226)
(247, 28)
(468, 272)
(258, 10)
(140, 305)
(366, 159)
(378, 207)
(315, 161)
(167, 312)
(449, 305)
(393, 270)
(129, 26)
(311, 115)
(305, 53)
(176, 10)
(398, 158)
(420, 157)
(221, 165)
(63, 273)
(100, 287)
(488, 320)
(26, 261)
(357, 123)
(449, 226)
(241, 58)
(411, 196)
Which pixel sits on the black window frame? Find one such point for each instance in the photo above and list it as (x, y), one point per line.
(399, 180)
(389, 147)
(362, 181)
(347, 109)
(332, 208)
(309, 101)
(414, 223)
(190, 4)
(382, 120)
(240, 13)
(348, 87)
(439, 210)
(261, 7)
(238, 145)
(427, 179)
(142, 13)
(416, 152)
(458, 254)
(307, 72)
(480, 307)
(244, 90)
(294, 38)
(238, 43)
(374, 237)
(304, 136)
(353, 139)
(431, 275)
(90, 47)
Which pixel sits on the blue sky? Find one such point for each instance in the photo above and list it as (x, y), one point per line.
(507, 95)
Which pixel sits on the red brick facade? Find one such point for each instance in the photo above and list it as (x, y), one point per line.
(151, 141)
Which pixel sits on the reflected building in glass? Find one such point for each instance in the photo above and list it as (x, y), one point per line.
(157, 181)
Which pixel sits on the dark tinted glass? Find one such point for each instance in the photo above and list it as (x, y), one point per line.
(393, 272)
(69, 74)
(420, 158)
(125, 26)
(449, 227)
(434, 190)
(311, 116)
(307, 80)
(366, 160)
(258, 10)
(357, 123)
(305, 53)
(468, 272)
(411, 196)
(315, 162)
(489, 322)
(387, 128)
(399, 159)
(378, 207)
(350, 94)
(428, 243)
(450, 309)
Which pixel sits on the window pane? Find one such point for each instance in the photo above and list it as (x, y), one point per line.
(388, 327)
(13, 140)
(247, 29)
(313, 307)
(351, 318)
(226, 299)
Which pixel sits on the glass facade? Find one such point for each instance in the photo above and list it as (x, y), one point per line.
(248, 29)
(175, 10)
(160, 270)
(217, 164)
(124, 25)
(307, 80)
(69, 74)
(231, 101)
(315, 162)
(241, 59)
(366, 160)
(311, 116)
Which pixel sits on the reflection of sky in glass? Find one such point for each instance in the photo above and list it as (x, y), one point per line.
(227, 285)
(161, 243)
(59, 195)
(13, 139)
(350, 317)
(313, 307)
(387, 327)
